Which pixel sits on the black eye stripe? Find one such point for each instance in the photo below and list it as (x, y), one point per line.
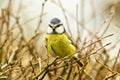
(59, 25)
(55, 26)
(50, 25)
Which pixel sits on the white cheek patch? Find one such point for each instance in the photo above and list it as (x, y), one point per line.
(59, 29)
(49, 30)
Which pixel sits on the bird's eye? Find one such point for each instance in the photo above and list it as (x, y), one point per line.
(59, 25)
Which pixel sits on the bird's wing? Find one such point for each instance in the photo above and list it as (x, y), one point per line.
(45, 41)
(54, 50)
(72, 42)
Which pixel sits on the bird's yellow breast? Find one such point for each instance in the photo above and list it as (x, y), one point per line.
(59, 45)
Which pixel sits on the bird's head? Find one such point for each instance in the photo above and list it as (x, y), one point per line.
(55, 27)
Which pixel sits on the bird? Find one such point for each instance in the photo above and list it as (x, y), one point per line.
(57, 41)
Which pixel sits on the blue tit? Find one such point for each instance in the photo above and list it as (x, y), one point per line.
(57, 41)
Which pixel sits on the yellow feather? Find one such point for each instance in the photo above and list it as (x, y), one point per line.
(59, 45)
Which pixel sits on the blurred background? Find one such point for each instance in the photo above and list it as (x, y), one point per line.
(93, 25)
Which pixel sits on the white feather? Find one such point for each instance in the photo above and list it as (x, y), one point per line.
(49, 30)
(59, 29)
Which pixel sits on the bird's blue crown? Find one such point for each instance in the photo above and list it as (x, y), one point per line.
(55, 21)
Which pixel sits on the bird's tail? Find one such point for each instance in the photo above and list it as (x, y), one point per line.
(75, 57)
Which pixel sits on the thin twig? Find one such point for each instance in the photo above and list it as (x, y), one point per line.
(63, 10)
(37, 75)
(95, 51)
(78, 29)
(41, 15)
(111, 76)
(112, 16)
(116, 60)
(33, 70)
